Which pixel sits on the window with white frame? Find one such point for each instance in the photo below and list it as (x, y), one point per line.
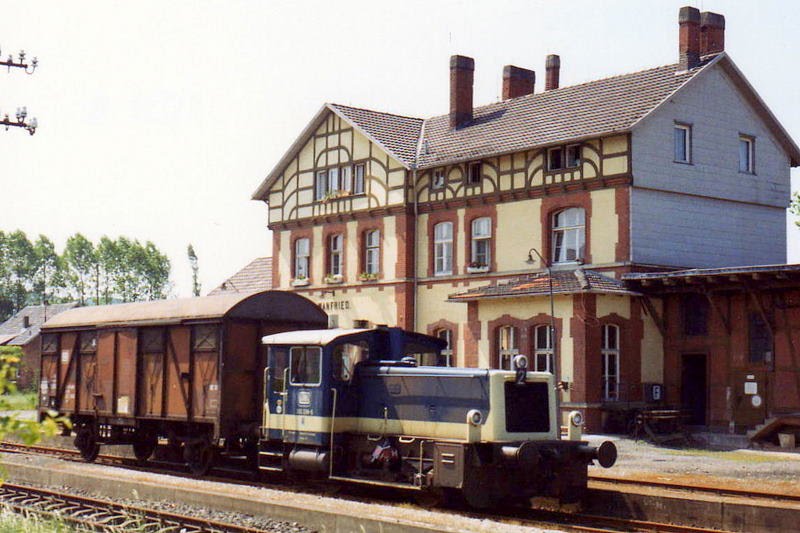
(335, 255)
(333, 180)
(447, 353)
(358, 178)
(438, 179)
(543, 349)
(507, 346)
(573, 155)
(443, 249)
(480, 255)
(682, 140)
(301, 255)
(345, 184)
(372, 251)
(321, 185)
(610, 353)
(569, 238)
(747, 149)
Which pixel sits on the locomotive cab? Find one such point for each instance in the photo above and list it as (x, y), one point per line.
(355, 405)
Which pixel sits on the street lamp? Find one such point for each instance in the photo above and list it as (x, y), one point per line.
(546, 264)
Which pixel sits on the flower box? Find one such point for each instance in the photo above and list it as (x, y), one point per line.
(300, 282)
(478, 269)
(333, 279)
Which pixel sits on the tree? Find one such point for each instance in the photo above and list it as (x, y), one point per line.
(48, 273)
(20, 260)
(81, 260)
(794, 206)
(195, 270)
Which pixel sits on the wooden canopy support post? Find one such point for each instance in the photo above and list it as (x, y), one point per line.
(725, 321)
(657, 318)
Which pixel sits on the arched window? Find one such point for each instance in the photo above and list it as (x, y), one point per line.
(507, 346)
(481, 255)
(610, 353)
(443, 248)
(447, 354)
(542, 349)
(569, 237)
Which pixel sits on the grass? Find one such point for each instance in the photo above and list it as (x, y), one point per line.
(738, 456)
(19, 401)
(11, 522)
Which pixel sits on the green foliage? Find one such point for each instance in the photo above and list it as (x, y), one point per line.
(119, 269)
(12, 522)
(794, 206)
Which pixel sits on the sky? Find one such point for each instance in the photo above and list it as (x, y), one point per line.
(158, 120)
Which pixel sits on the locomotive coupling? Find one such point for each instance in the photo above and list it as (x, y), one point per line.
(605, 454)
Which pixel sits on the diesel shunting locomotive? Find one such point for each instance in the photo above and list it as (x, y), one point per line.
(347, 405)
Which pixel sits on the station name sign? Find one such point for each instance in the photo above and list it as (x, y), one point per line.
(336, 305)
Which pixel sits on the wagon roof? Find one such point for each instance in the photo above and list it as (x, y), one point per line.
(267, 305)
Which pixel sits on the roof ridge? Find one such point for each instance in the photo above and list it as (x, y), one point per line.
(375, 111)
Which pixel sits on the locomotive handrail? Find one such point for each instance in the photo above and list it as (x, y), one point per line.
(285, 395)
(333, 423)
(265, 404)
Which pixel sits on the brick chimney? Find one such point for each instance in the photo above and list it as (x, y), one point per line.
(688, 38)
(712, 33)
(552, 66)
(517, 81)
(462, 71)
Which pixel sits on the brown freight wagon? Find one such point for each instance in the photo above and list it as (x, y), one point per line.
(187, 370)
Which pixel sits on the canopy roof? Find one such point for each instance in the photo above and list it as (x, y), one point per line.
(267, 305)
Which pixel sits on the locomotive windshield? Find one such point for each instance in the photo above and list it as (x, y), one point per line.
(306, 365)
(345, 358)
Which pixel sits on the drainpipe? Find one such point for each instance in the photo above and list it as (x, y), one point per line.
(414, 254)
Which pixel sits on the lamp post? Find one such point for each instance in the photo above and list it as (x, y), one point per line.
(546, 264)
(22, 112)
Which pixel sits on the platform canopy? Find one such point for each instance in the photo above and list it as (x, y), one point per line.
(267, 305)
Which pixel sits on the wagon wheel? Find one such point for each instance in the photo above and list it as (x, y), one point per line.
(86, 442)
(144, 445)
(199, 456)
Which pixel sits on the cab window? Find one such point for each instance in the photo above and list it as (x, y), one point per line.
(278, 361)
(345, 358)
(305, 363)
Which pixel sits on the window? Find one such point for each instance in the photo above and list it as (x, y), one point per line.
(443, 248)
(569, 239)
(335, 255)
(695, 314)
(481, 240)
(573, 155)
(204, 338)
(301, 254)
(542, 349)
(682, 135)
(747, 146)
(438, 179)
(306, 365)
(474, 173)
(760, 339)
(610, 353)
(372, 251)
(333, 180)
(507, 346)
(358, 179)
(321, 185)
(447, 353)
(555, 158)
(346, 357)
(345, 183)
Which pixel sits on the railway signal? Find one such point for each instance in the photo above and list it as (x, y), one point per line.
(22, 112)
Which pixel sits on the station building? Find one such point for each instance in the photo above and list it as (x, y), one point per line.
(474, 224)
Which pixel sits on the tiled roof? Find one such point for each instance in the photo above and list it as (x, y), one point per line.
(590, 109)
(398, 135)
(782, 270)
(255, 277)
(13, 332)
(538, 284)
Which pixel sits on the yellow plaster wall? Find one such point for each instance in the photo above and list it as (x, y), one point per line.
(285, 260)
(371, 304)
(604, 226)
(523, 232)
(615, 145)
(351, 254)
(422, 246)
(389, 250)
(608, 304)
(317, 255)
(652, 348)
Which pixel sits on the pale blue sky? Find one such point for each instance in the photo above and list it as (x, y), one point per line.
(159, 119)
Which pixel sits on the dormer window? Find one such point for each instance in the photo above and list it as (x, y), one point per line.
(561, 157)
(555, 158)
(474, 172)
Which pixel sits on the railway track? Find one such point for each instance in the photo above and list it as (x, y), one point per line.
(101, 515)
(540, 518)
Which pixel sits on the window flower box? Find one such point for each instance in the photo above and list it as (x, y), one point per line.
(367, 276)
(477, 268)
(300, 282)
(332, 279)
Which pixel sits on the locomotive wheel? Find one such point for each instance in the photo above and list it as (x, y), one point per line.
(199, 456)
(144, 445)
(87, 445)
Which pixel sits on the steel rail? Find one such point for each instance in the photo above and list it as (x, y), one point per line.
(103, 515)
